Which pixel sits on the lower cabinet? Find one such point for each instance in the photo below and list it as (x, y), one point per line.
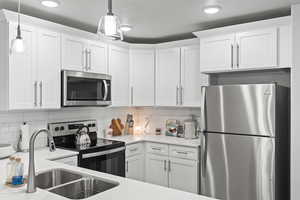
(156, 170)
(135, 167)
(183, 175)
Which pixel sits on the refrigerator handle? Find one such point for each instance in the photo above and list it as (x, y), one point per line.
(203, 141)
(202, 109)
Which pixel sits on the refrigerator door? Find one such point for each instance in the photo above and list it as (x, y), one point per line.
(241, 109)
(238, 167)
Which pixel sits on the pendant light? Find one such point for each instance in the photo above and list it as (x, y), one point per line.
(109, 25)
(18, 45)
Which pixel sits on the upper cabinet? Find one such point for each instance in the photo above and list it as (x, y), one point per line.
(168, 77)
(119, 70)
(84, 55)
(178, 76)
(253, 46)
(30, 80)
(216, 53)
(257, 49)
(142, 68)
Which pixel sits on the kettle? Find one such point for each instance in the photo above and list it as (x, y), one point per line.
(82, 138)
(190, 129)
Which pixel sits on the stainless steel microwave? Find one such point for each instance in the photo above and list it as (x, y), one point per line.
(85, 89)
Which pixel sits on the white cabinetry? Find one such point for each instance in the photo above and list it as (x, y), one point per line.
(142, 66)
(172, 166)
(83, 55)
(216, 53)
(253, 46)
(30, 80)
(119, 70)
(167, 77)
(190, 76)
(135, 161)
(72, 160)
(48, 69)
(257, 49)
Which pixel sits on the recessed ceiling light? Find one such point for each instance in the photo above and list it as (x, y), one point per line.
(212, 9)
(125, 27)
(50, 3)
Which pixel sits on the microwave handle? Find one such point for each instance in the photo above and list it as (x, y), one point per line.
(105, 90)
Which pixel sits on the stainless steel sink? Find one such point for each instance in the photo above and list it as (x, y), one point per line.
(72, 185)
(55, 177)
(84, 188)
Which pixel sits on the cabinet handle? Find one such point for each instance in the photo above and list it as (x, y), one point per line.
(169, 165)
(131, 95)
(90, 59)
(182, 152)
(181, 94)
(177, 92)
(165, 165)
(133, 150)
(86, 60)
(232, 56)
(41, 93)
(35, 92)
(156, 148)
(126, 166)
(238, 55)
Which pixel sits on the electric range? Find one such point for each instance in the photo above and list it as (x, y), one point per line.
(102, 155)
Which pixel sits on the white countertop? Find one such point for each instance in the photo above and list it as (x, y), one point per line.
(157, 138)
(128, 189)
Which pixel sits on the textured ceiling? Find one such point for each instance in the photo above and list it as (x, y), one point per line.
(155, 20)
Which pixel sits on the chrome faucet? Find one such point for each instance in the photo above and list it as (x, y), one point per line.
(31, 187)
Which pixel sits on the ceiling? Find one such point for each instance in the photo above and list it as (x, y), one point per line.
(155, 20)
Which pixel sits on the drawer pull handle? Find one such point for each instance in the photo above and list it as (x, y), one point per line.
(182, 152)
(156, 148)
(133, 150)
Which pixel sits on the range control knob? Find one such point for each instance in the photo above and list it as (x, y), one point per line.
(62, 128)
(56, 129)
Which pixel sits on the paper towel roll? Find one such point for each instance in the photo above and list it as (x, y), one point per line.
(25, 137)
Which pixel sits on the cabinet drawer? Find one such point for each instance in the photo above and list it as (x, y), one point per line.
(184, 152)
(156, 148)
(134, 149)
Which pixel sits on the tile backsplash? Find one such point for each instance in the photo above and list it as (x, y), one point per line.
(11, 121)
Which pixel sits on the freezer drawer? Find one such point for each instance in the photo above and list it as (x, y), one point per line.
(243, 109)
(238, 167)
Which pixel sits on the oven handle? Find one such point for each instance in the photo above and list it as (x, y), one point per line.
(101, 153)
(105, 90)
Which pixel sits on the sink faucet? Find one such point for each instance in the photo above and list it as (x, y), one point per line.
(31, 187)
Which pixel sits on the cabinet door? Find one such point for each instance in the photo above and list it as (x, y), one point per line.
(168, 77)
(135, 167)
(190, 76)
(257, 49)
(216, 53)
(22, 71)
(48, 69)
(183, 175)
(142, 63)
(156, 170)
(74, 55)
(119, 70)
(97, 58)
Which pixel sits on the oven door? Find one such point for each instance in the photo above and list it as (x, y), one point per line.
(109, 161)
(85, 89)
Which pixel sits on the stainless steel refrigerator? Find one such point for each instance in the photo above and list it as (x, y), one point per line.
(245, 142)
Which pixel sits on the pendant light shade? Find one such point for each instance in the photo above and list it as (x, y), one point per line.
(18, 45)
(109, 25)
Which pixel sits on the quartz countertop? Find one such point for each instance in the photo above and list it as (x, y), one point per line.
(127, 189)
(131, 139)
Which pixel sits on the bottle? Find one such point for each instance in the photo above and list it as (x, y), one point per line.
(9, 167)
(19, 170)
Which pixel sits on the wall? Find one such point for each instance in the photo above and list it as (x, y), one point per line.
(295, 106)
(10, 122)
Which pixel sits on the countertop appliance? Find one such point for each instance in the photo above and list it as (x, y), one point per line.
(85, 89)
(245, 144)
(190, 129)
(102, 155)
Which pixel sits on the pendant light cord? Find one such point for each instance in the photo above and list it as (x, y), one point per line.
(109, 7)
(19, 28)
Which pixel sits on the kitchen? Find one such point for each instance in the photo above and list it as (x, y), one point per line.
(171, 114)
